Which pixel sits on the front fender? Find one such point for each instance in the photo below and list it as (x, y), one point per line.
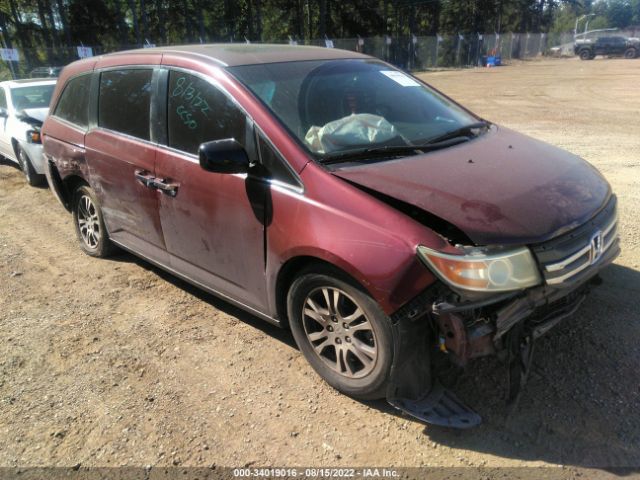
(34, 152)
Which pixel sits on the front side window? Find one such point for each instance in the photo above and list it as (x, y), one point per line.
(333, 106)
(35, 96)
(73, 105)
(125, 100)
(3, 98)
(198, 112)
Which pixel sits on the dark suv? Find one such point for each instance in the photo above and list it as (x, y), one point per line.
(587, 49)
(330, 193)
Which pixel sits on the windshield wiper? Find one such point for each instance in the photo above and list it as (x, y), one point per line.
(457, 132)
(448, 139)
(390, 151)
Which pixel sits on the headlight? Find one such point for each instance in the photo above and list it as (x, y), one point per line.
(33, 136)
(483, 271)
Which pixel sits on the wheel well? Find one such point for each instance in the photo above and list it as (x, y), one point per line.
(290, 271)
(14, 144)
(69, 185)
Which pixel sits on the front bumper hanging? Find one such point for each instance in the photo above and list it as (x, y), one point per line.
(412, 387)
(506, 325)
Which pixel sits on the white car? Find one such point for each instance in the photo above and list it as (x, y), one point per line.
(24, 104)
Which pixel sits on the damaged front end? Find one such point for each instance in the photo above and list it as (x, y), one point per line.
(35, 124)
(464, 324)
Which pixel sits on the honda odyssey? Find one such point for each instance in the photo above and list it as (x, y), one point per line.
(328, 192)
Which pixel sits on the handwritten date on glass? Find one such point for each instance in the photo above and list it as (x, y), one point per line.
(193, 102)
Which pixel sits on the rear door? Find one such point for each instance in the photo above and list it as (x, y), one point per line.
(618, 45)
(63, 137)
(121, 156)
(213, 224)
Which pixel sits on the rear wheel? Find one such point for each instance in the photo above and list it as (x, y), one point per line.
(26, 166)
(630, 53)
(586, 55)
(342, 332)
(89, 223)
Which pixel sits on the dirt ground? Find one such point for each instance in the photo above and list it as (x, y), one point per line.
(113, 362)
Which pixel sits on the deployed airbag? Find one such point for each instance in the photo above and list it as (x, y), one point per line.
(354, 130)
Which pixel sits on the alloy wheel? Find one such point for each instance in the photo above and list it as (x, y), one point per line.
(340, 332)
(88, 222)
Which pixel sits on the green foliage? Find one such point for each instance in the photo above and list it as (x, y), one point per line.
(55, 27)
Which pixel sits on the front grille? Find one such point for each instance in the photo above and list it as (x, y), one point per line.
(569, 257)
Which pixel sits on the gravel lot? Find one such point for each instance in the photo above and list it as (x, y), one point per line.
(113, 362)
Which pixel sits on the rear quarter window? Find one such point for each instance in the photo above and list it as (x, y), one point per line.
(125, 100)
(73, 105)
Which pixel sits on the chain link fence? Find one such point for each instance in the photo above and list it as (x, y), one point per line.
(407, 52)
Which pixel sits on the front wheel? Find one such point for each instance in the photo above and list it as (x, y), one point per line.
(630, 53)
(89, 223)
(33, 178)
(342, 332)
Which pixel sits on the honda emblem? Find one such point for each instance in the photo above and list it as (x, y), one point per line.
(596, 248)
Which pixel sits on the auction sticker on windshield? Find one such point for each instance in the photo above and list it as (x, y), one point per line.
(400, 78)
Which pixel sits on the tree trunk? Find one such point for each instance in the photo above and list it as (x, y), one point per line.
(123, 30)
(136, 27)
(322, 24)
(259, 19)
(6, 40)
(201, 30)
(229, 20)
(6, 37)
(65, 24)
(161, 19)
(54, 31)
(144, 31)
(300, 19)
(249, 20)
(46, 34)
(385, 16)
(25, 39)
(309, 22)
(187, 21)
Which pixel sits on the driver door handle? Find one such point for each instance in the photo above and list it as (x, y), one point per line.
(170, 189)
(145, 178)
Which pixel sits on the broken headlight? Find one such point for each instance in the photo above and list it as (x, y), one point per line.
(33, 136)
(481, 270)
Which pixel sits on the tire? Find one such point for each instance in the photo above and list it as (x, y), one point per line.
(585, 54)
(89, 223)
(630, 53)
(33, 178)
(352, 352)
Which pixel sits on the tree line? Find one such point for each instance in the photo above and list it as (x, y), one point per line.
(113, 24)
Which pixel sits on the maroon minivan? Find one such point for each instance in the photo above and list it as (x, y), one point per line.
(391, 229)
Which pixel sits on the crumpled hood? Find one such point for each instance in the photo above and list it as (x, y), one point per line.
(500, 188)
(36, 113)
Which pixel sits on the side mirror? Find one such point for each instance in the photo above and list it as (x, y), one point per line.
(3, 112)
(223, 156)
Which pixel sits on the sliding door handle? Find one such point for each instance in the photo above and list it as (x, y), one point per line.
(145, 178)
(170, 189)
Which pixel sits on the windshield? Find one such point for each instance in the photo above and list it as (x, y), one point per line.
(349, 105)
(35, 96)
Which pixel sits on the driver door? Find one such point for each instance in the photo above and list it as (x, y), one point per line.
(213, 224)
